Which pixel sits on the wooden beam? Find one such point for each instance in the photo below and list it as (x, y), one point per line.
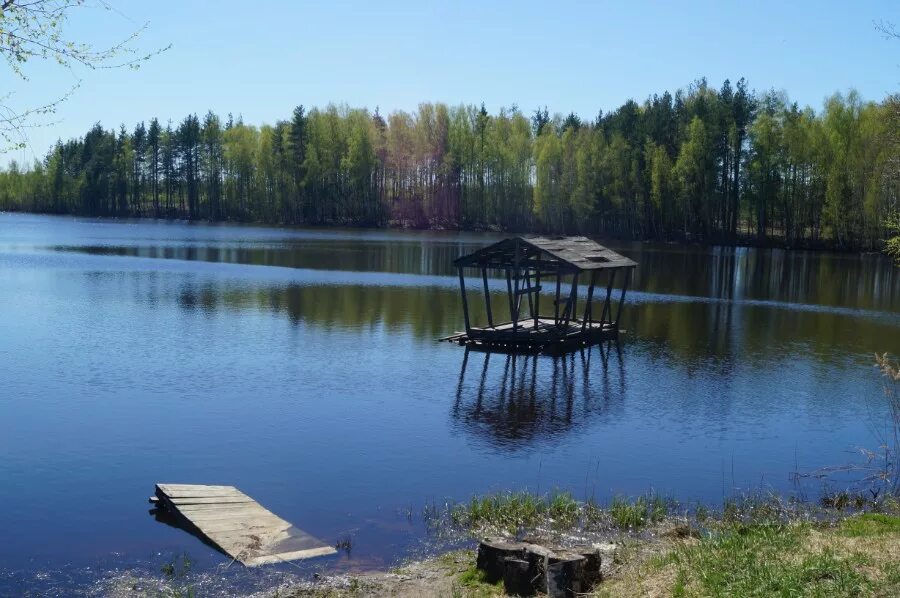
(487, 298)
(527, 292)
(465, 301)
(622, 298)
(573, 300)
(588, 306)
(606, 304)
(509, 292)
(516, 298)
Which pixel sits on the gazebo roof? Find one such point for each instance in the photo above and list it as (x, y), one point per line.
(578, 253)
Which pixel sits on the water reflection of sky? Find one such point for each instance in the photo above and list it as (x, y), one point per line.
(315, 383)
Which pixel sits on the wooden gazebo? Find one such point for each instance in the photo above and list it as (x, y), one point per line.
(530, 263)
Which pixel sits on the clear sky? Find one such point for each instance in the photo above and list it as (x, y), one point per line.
(260, 59)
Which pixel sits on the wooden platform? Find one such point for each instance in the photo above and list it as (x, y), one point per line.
(544, 337)
(238, 525)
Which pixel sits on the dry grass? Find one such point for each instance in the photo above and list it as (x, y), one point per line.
(859, 556)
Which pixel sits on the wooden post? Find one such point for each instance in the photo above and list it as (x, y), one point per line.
(606, 305)
(573, 299)
(528, 288)
(588, 307)
(487, 298)
(509, 291)
(556, 303)
(517, 299)
(537, 297)
(622, 298)
(465, 302)
(573, 312)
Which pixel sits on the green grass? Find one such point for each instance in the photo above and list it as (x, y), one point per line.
(870, 524)
(785, 559)
(472, 583)
(506, 511)
(513, 511)
(764, 560)
(564, 510)
(516, 511)
(639, 513)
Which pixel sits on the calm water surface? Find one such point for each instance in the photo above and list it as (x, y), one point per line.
(302, 367)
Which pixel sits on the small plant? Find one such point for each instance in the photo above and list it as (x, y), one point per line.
(175, 569)
(175, 572)
(472, 583)
(643, 511)
(592, 513)
(563, 509)
(510, 511)
(701, 514)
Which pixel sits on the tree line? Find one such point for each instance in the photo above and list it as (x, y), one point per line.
(720, 166)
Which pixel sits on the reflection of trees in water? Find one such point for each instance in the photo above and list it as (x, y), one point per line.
(514, 401)
(810, 277)
(428, 311)
(821, 278)
(688, 329)
(402, 257)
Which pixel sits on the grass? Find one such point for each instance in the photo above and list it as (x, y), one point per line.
(858, 556)
(639, 513)
(473, 579)
(176, 572)
(870, 525)
(513, 512)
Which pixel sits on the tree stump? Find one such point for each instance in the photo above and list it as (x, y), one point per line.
(591, 567)
(607, 557)
(492, 555)
(517, 577)
(537, 557)
(565, 572)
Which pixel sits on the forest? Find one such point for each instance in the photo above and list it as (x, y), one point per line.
(729, 166)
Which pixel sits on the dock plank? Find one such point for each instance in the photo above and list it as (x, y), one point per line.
(214, 500)
(238, 525)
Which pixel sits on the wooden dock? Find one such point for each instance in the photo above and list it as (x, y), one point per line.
(237, 525)
(542, 335)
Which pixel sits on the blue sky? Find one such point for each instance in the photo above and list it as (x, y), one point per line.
(260, 59)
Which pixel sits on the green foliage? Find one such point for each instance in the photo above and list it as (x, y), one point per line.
(720, 166)
(643, 511)
(871, 524)
(509, 511)
(37, 30)
(892, 245)
(474, 578)
(564, 509)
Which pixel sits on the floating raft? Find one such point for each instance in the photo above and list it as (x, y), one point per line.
(238, 525)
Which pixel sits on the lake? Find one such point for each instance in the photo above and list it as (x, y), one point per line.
(302, 366)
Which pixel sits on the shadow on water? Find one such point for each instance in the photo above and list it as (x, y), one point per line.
(163, 516)
(516, 401)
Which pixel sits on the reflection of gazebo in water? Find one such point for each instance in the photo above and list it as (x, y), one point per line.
(526, 262)
(516, 401)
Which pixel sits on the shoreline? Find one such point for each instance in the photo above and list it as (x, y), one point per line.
(649, 546)
(742, 241)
